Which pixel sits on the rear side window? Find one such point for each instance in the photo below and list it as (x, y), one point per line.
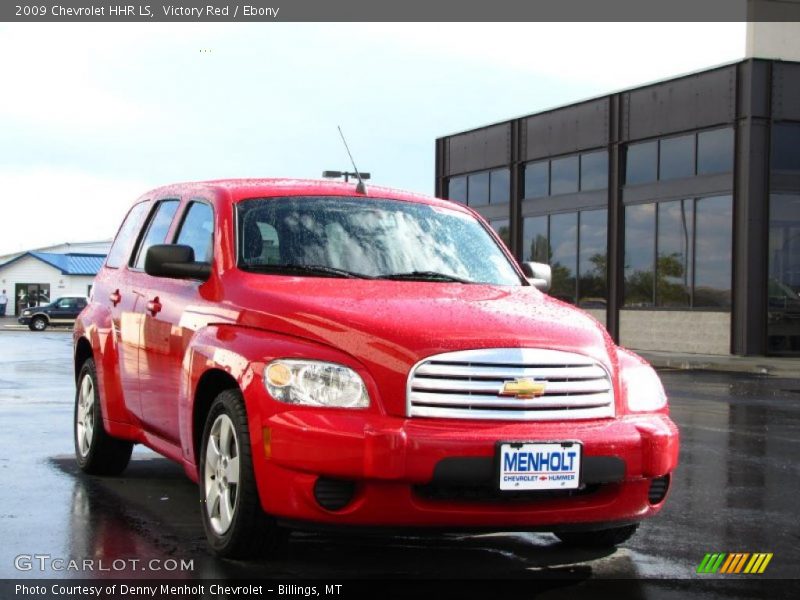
(67, 303)
(120, 249)
(197, 231)
(157, 229)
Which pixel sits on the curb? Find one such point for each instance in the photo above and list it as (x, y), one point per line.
(762, 366)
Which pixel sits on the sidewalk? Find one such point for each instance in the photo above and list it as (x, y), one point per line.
(774, 366)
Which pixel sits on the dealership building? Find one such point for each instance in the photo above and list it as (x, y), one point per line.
(671, 211)
(41, 275)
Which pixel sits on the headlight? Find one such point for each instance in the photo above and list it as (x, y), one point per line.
(26, 313)
(642, 388)
(315, 383)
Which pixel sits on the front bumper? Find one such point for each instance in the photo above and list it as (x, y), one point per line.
(24, 320)
(439, 473)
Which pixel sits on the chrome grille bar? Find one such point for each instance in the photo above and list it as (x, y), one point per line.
(467, 385)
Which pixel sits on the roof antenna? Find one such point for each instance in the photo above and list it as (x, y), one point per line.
(360, 188)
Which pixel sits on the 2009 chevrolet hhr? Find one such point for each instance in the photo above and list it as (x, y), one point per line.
(317, 354)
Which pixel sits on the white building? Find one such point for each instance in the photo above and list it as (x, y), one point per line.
(41, 275)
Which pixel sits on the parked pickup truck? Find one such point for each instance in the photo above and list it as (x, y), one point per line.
(318, 356)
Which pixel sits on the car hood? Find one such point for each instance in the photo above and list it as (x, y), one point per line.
(389, 326)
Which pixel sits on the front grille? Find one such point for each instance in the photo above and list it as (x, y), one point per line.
(467, 385)
(488, 493)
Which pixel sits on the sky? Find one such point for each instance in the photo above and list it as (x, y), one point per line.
(94, 115)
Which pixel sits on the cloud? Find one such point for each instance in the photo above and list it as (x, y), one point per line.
(53, 205)
(607, 55)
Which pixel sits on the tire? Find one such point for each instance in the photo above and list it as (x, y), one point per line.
(38, 324)
(97, 452)
(603, 538)
(235, 525)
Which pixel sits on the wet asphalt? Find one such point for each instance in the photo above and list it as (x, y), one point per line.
(737, 490)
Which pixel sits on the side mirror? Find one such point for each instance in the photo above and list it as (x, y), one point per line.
(174, 261)
(539, 275)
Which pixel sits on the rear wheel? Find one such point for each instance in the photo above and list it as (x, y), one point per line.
(97, 452)
(603, 538)
(235, 524)
(38, 324)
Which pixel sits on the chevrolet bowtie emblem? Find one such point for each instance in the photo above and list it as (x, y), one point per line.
(523, 388)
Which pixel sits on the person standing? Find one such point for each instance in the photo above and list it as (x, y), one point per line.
(3, 303)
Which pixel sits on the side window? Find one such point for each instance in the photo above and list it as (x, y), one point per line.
(82, 302)
(120, 249)
(157, 229)
(197, 231)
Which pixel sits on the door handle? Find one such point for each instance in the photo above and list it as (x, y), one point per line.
(154, 306)
(115, 297)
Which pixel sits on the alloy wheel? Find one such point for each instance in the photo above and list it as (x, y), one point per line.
(84, 420)
(221, 476)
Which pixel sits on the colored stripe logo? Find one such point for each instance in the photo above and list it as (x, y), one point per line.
(734, 563)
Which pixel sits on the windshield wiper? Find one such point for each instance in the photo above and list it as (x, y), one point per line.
(425, 276)
(307, 269)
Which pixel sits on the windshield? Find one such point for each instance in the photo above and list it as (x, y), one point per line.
(371, 238)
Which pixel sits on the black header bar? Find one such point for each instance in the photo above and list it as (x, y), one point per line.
(399, 10)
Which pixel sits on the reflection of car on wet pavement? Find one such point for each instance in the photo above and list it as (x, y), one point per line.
(313, 354)
(63, 311)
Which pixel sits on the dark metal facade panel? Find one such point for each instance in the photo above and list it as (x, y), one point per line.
(566, 203)
(753, 75)
(704, 185)
(492, 212)
(567, 130)
(750, 235)
(693, 102)
(477, 150)
(786, 91)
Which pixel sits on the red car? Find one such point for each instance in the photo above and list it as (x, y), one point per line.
(313, 355)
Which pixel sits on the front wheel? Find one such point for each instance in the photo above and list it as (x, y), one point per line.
(96, 451)
(235, 524)
(603, 538)
(38, 324)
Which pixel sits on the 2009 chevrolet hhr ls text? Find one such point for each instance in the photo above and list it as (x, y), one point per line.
(313, 354)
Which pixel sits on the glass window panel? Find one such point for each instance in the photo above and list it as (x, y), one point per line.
(783, 284)
(536, 179)
(592, 261)
(641, 163)
(478, 189)
(120, 250)
(786, 147)
(457, 189)
(197, 231)
(676, 158)
(564, 175)
(715, 151)
(157, 229)
(673, 269)
(713, 226)
(534, 240)
(564, 252)
(594, 171)
(503, 229)
(500, 184)
(640, 228)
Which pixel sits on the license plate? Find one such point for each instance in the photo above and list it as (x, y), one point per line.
(539, 466)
